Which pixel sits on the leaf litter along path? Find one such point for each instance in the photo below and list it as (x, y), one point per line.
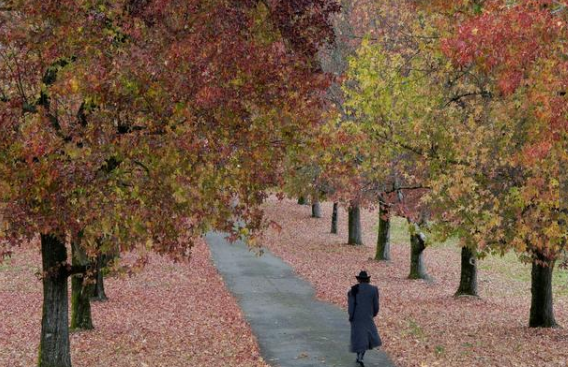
(292, 327)
(421, 323)
(168, 315)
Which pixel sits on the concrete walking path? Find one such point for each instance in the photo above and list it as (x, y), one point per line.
(292, 327)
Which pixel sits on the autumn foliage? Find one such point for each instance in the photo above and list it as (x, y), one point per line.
(143, 124)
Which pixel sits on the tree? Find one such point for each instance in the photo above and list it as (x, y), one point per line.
(389, 99)
(480, 107)
(418, 243)
(383, 238)
(81, 289)
(522, 195)
(468, 277)
(334, 217)
(131, 120)
(355, 236)
(316, 208)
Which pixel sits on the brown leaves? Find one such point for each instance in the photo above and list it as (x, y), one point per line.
(421, 323)
(167, 315)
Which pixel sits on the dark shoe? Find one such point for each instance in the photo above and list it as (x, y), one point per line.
(361, 363)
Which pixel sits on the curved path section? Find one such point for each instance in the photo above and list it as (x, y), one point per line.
(292, 327)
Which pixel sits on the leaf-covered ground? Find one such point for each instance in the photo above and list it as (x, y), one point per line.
(168, 315)
(421, 323)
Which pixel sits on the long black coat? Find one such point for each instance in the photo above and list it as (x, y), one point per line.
(362, 309)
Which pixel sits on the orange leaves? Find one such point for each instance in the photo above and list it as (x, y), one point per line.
(535, 153)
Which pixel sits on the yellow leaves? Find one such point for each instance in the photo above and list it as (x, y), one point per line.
(75, 153)
(519, 244)
(494, 220)
(263, 28)
(180, 197)
(149, 244)
(74, 85)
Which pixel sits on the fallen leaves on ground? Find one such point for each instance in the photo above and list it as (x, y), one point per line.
(421, 323)
(167, 315)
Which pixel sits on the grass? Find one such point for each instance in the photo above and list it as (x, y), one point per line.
(414, 330)
(508, 266)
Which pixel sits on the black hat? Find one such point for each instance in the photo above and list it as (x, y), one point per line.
(363, 275)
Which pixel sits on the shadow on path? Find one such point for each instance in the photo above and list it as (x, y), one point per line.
(292, 327)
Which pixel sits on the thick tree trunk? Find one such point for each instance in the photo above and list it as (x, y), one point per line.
(54, 348)
(81, 292)
(99, 287)
(418, 245)
(542, 313)
(316, 209)
(334, 216)
(383, 238)
(355, 237)
(302, 200)
(468, 279)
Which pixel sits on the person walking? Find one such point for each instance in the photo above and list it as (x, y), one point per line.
(363, 306)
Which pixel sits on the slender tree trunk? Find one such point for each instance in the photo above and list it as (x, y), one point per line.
(417, 247)
(355, 237)
(383, 238)
(334, 218)
(542, 313)
(302, 200)
(316, 209)
(468, 279)
(81, 291)
(99, 287)
(54, 350)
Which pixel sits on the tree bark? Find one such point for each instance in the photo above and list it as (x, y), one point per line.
(302, 200)
(383, 238)
(54, 350)
(468, 279)
(334, 215)
(417, 245)
(355, 237)
(542, 313)
(99, 287)
(81, 291)
(316, 209)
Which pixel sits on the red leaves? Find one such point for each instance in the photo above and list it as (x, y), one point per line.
(536, 152)
(422, 324)
(176, 315)
(305, 23)
(505, 41)
(191, 101)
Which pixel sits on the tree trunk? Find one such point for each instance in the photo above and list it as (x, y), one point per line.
(334, 218)
(81, 291)
(302, 200)
(542, 313)
(316, 209)
(54, 350)
(418, 245)
(99, 287)
(468, 280)
(383, 238)
(355, 236)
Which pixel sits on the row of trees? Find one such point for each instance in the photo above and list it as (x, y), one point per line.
(453, 115)
(141, 124)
